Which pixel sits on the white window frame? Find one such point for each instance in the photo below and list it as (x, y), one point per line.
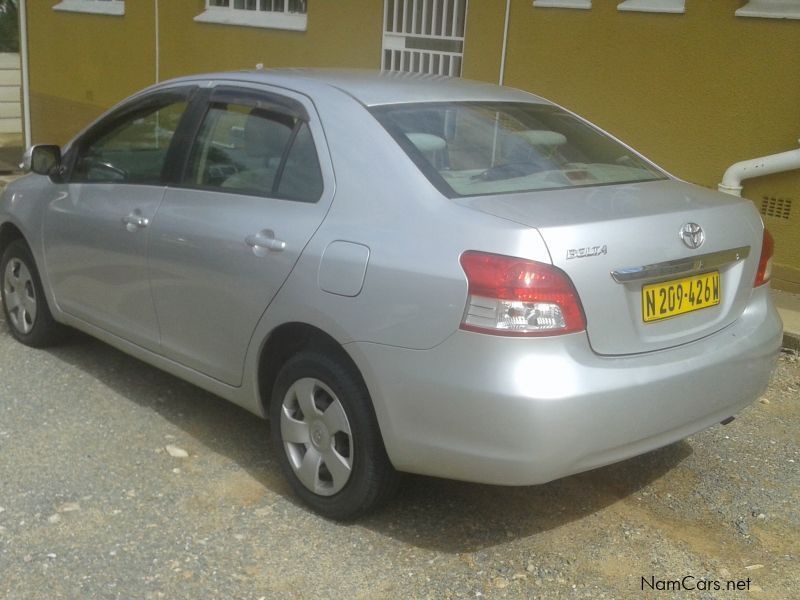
(93, 7)
(653, 6)
(265, 19)
(582, 4)
(771, 9)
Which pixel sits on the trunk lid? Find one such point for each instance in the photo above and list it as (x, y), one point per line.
(591, 232)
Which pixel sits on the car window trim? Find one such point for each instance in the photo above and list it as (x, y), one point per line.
(285, 157)
(228, 94)
(185, 135)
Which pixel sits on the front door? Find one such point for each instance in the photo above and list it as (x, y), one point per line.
(227, 238)
(424, 36)
(97, 225)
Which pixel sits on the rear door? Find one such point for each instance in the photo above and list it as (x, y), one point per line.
(254, 189)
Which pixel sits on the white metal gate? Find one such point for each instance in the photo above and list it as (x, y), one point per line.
(424, 36)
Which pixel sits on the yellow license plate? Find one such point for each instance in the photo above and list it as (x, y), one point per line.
(671, 298)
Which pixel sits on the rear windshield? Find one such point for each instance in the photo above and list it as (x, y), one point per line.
(478, 148)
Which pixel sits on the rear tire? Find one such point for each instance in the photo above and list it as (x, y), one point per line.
(327, 438)
(27, 314)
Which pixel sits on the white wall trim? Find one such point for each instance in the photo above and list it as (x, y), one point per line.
(654, 6)
(250, 18)
(95, 7)
(584, 4)
(771, 9)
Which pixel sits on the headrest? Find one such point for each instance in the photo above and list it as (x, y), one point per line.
(542, 137)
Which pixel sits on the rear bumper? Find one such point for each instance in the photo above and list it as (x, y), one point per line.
(517, 411)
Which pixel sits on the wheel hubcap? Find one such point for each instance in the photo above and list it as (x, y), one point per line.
(320, 438)
(316, 436)
(20, 296)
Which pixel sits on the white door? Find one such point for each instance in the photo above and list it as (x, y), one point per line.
(424, 36)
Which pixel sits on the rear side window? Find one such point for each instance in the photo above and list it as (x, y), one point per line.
(257, 151)
(478, 148)
(301, 178)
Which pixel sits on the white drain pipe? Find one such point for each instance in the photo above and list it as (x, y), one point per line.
(26, 83)
(505, 45)
(757, 167)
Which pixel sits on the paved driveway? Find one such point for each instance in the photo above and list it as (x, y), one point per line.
(93, 505)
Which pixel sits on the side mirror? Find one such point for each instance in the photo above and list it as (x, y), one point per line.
(42, 159)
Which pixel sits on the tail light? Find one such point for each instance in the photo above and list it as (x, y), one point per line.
(765, 262)
(518, 297)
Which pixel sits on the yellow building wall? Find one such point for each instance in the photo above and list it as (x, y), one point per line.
(695, 92)
(82, 64)
(336, 37)
(483, 40)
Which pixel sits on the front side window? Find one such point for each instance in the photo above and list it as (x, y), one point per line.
(254, 150)
(479, 148)
(133, 150)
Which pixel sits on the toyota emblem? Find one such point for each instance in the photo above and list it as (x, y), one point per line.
(692, 235)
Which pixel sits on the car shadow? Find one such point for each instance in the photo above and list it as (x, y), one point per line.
(459, 517)
(430, 513)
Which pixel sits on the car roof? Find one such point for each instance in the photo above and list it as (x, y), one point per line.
(375, 88)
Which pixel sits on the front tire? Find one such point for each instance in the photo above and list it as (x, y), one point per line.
(24, 304)
(327, 439)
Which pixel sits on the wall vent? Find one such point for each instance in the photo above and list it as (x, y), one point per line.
(778, 208)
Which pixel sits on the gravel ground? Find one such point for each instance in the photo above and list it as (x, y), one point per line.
(96, 501)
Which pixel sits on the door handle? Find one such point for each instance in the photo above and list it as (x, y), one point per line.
(264, 240)
(135, 221)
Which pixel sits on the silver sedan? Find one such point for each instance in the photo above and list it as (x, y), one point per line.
(403, 273)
